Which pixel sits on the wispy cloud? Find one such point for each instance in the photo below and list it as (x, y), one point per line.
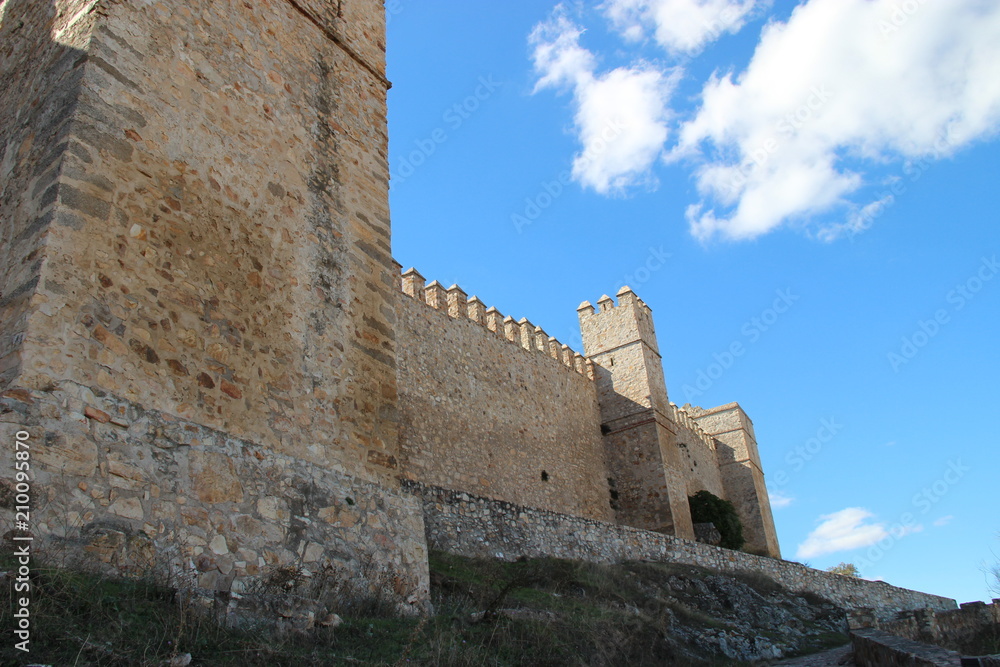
(847, 529)
(841, 86)
(830, 98)
(779, 500)
(679, 26)
(943, 521)
(620, 116)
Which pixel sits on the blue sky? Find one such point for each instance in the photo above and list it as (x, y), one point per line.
(814, 182)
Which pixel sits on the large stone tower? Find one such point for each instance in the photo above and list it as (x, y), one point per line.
(646, 478)
(196, 298)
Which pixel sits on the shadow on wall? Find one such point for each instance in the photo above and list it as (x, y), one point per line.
(39, 90)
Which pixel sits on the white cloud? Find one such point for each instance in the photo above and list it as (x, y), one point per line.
(620, 116)
(679, 26)
(842, 531)
(840, 85)
(779, 500)
(943, 521)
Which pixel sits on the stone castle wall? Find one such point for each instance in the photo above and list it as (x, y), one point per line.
(482, 412)
(954, 629)
(644, 467)
(697, 456)
(186, 272)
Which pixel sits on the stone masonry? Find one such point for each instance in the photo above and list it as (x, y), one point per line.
(218, 366)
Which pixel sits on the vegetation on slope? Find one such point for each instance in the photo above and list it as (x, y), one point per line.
(538, 612)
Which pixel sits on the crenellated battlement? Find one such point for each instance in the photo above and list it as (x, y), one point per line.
(458, 305)
(682, 418)
(626, 299)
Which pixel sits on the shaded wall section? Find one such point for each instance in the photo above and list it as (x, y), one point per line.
(742, 474)
(42, 56)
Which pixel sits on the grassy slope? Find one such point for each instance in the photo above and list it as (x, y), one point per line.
(542, 612)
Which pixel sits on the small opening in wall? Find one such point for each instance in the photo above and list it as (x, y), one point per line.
(349, 500)
(612, 360)
(605, 429)
(545, 476)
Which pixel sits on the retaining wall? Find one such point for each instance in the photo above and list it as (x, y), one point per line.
(480, 527)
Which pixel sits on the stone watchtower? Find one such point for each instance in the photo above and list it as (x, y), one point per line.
(648, 486)
(650, 469)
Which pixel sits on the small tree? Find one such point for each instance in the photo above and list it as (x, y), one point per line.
(846, 569)
(707, 507)
(994, 579)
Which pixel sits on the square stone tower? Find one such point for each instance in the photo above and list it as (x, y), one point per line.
(646, 477)
(196, 284)
(742, 473)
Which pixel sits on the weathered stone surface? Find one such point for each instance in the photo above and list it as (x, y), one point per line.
(874, 648)
(213, 477)
(70, 453)
(707, 533)
(962, 630)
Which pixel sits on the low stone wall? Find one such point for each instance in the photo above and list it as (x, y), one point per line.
(481, 527)
(874, 648)
(954, 629)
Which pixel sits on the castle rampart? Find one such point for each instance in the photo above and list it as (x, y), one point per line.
(644, 465)
(742, 473)
(514, 418)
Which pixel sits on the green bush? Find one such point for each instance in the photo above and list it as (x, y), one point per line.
(707, 507)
